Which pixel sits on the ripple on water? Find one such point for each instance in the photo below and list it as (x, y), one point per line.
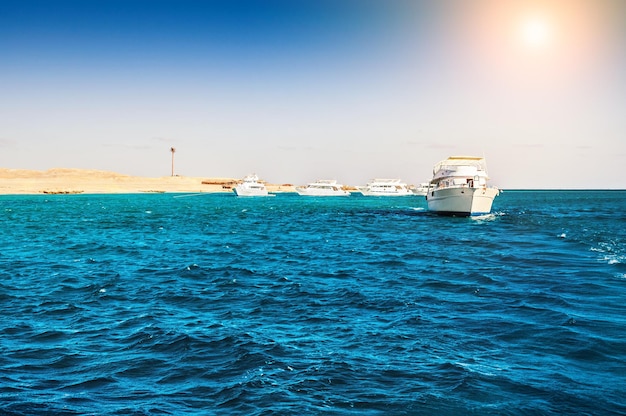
(163, 305)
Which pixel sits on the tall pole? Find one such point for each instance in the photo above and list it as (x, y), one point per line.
(173, 150)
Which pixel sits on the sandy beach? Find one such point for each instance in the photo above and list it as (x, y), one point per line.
(86, 181)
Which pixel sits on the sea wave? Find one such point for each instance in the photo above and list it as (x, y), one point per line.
(222, 305)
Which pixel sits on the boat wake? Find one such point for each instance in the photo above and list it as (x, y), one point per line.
(487, 217)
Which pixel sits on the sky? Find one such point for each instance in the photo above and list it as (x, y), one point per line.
(296, 91)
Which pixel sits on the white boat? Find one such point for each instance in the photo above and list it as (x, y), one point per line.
(459, 187)
(385, 187)
(421, 189)
(250, 186)
(322, 188)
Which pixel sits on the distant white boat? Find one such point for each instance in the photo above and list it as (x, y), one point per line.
(385, 187)
(250, 186)
(421, 189)
(459, 187)
(322, 188)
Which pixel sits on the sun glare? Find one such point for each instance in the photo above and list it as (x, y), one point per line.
(536, 33)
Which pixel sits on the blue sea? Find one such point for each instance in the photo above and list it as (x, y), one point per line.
(174, 304)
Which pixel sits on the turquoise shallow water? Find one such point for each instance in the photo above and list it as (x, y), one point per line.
(165, 304)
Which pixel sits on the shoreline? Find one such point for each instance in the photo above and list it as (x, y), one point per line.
(67, 181)
(88, 181)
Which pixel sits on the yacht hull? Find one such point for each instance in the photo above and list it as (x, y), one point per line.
(366, 192)
(462, 201)
(252, 195)
(251, 192)
(317, 192)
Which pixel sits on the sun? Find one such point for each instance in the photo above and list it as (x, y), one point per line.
(535, 32)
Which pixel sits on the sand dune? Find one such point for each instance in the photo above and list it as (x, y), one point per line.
(75, 181)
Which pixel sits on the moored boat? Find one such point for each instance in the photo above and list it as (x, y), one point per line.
(421, 189)
(459, 187)
(385, 187)
(251, 186)
(322, 187)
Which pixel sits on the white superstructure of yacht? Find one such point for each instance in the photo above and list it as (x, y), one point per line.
(322, 187)
(250, 186)
(421, 189)
(385, 187)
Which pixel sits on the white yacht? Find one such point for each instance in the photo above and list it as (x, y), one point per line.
(385, 187)
(250, 186)
(322, 188)
(459, 187)
(421, 189)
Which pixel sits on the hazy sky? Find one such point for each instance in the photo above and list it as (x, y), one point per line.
(305, 89)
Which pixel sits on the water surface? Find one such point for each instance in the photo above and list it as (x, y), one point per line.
(169, 304)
